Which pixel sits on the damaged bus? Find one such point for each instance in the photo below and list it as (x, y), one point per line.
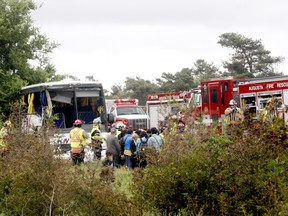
(66, 101)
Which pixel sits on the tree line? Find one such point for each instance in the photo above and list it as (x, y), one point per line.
(24, 60)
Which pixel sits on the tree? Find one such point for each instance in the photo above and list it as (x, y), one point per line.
(90, 78)
(21, 43)
(117, 91)
(24, 52)
(250, 59)
(204, 71)
(181, 81)
(9, 87)
(139, 88)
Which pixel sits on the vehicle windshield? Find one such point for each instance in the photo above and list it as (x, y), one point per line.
(130, 111)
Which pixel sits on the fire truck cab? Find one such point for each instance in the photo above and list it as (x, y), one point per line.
(162, 105)
(129, 113)
(216, 95)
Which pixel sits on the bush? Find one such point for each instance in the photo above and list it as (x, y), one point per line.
(34, 182)
(198, 172)
(220, 176)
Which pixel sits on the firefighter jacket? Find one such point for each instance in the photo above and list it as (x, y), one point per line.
(233, 114)
(96, 134)
(3, 133)
(267, 115)
(78, 137)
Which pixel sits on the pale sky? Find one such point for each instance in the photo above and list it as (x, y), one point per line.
(115, 39)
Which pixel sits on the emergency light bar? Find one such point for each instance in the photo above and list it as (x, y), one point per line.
(124, 101)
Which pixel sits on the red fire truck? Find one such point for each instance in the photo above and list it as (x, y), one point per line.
(217, 93)
(161, 105)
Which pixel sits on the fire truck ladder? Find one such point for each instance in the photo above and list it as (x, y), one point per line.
(261, 79)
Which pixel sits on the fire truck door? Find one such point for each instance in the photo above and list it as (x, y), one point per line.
(214, 100)
(153, 115)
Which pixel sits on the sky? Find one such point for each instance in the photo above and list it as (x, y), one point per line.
(115, 39)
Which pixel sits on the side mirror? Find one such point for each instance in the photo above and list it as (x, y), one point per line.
(110, 118)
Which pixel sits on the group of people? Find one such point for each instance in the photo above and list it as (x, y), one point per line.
(134, 143)
(123, 145)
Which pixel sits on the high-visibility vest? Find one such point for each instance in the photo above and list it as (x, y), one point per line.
(2, 134)
(77, 138)
(95, 132)
(233, 116)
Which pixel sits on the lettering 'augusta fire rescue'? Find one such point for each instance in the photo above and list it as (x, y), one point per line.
(255, 88)
(268, 86)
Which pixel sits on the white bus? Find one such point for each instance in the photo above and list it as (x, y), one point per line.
(68, 101)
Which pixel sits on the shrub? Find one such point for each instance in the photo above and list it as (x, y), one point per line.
(224, 175)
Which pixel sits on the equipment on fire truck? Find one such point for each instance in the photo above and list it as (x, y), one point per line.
(160, 106)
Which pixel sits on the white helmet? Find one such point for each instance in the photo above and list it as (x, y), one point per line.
(232, 102)
(97, 120)
(119, 125)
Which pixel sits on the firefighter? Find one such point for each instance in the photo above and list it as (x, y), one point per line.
(233, 116)
(3, 137)
(96, 138)
(78, 138)
(269, 112)
(233, 113)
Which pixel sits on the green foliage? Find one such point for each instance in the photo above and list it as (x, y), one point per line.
(210, 174)
(20, 41)
(10, 87)
(34, 182)
(180, 81)
(21, 47)
(250, 59)
(139, 88)
(117, 91)
(204, 71)
(198, 172)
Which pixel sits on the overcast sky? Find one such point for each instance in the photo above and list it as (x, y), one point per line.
(115, 39)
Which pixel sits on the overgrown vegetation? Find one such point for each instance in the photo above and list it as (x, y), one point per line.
(198, 172)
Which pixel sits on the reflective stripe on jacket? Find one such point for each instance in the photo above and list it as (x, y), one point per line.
(77, 137)
(95, 132)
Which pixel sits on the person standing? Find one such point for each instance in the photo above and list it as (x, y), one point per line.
(155, 140)
(96, 138)
(113, 147)
(78, 138)
(233, 116)
(128, 142)
(233, 113)
(4, 136)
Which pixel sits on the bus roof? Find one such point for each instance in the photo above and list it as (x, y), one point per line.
(59, 85)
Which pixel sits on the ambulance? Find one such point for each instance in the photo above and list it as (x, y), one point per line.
(129, 113)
